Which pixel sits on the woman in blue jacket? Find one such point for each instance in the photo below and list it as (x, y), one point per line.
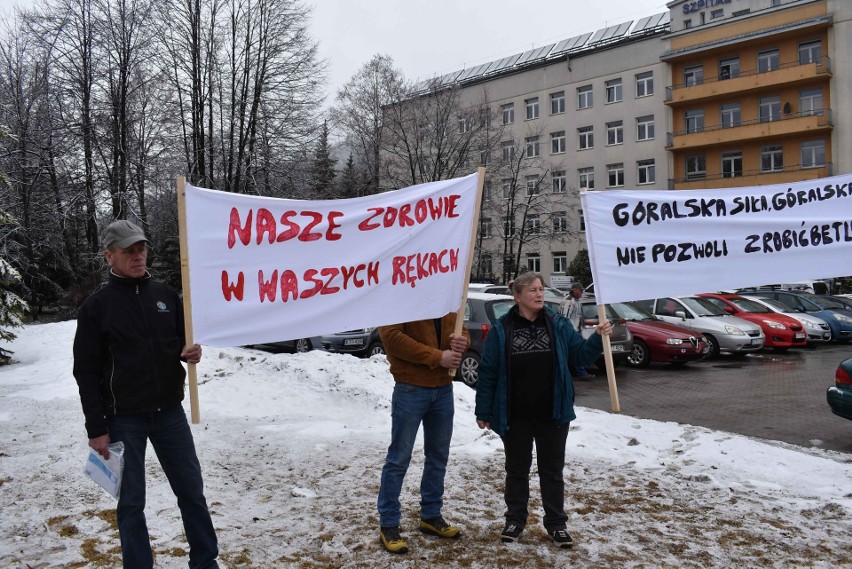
(525, 394)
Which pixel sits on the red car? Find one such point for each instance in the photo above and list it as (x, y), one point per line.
(658, 341)
(782, 332)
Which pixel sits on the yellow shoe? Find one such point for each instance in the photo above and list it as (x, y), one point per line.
(393, 542)
(437, 526)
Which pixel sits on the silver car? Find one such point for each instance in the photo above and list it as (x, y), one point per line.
(817, 329)
(724, 333)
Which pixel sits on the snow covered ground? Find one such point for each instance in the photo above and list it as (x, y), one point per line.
(292, 446)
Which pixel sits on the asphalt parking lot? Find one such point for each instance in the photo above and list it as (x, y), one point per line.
(776, 396)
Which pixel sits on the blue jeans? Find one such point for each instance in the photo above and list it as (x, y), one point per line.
(171, 438)
(412, 405)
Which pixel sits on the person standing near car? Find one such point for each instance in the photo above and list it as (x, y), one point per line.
(525, 394)
(420, 353)
(127, 362)
(572, 309)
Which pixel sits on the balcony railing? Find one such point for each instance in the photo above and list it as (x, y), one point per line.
(823, 66)
(825, 118)
(828, 166)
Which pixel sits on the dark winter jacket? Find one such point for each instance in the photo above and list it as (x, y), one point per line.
(494, 380)
(127, 350)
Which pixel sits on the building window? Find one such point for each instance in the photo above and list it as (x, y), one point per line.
(732, 164)
(464, 125)
(645, 128)
(559, 184)
(560, 221)
(485, 118)
(647, 171)
(813, 153)
(693, 75)
(484, 157)
(729, 68)
(613, 91)
(772, 158)
(645, 84)
(532, 108)
(560, 259)
(533, 223)
(508, 264)
(485, 227)
(584, 97)
(586, 178)
(768, 61)
(534, 262)
(532, 185)
(509, 226)
(730, 115)
(769, 109)
(581, 219)
(508, 149)
(776, 3)
(532, 147)
(486, 190)
(810, 102)
(485, 264)
(694, 120)
(716, 14)
(810, 52)
(614, 133)
(696, 167)
(615, 175)
(557, 103)
(506, 185)
(587, 137)
(557, 142)
(687, 24)
(508, 113)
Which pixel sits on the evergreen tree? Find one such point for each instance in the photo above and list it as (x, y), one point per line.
(12, 306)
(350, 186)
(322, 170)
(581, 268)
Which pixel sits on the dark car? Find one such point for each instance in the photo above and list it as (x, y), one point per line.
(360, 342)
(480, 311)
(655, 341)
(621, 340)
(838, 318)
(782, 332)
(839, 395)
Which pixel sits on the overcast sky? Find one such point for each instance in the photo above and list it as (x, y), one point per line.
(427, 38)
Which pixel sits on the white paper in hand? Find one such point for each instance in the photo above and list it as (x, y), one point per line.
(107, 472)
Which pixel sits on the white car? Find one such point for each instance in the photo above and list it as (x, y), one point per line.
(817, 328)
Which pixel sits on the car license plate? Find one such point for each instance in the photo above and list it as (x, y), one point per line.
(800, 336)
(617, 348)
(756, 342)
(353, 342)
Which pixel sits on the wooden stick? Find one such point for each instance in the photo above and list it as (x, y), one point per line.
(610, 367)
(187, 297)
(480, 172)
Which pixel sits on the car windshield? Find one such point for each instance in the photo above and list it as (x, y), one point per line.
(748, 305)
(702, 306)
(822, 301)
(775, 305)
(501, 307)
(631, 311)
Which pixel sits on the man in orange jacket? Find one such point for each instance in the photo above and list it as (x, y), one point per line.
(420, 353)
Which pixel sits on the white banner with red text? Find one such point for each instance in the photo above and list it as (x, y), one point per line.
(648, 244)
(266, 269)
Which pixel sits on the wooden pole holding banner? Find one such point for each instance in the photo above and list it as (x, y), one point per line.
(480, 172)
(610, 367)
(187, 298)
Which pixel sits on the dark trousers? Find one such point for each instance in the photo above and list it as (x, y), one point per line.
(549, 441)
(171, 438)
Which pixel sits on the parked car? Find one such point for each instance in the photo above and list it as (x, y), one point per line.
(621, 340)
(553, 297)
(817, 329)
(480, 311)
(845, 301)
(655, 341)
(837, 318)
(362, 342)
(723, 333)
(782, 332)
(839, 395)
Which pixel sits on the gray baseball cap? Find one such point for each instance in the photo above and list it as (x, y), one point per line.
(123, 234)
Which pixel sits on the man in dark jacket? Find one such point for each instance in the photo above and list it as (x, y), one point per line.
(127, 362)
(420, 353)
